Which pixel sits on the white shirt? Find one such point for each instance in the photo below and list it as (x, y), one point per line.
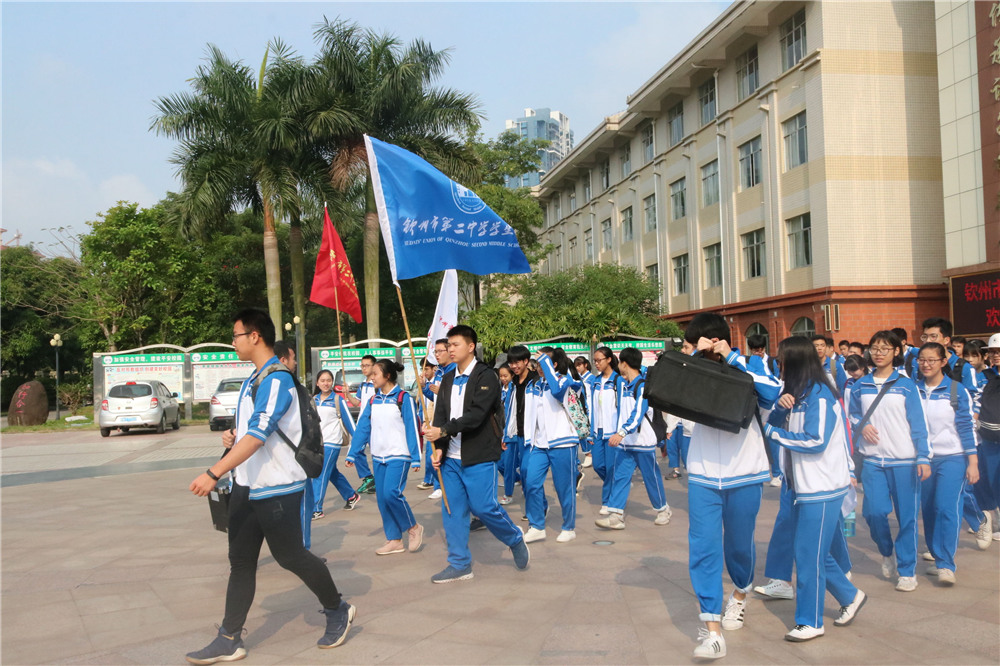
(458, 408)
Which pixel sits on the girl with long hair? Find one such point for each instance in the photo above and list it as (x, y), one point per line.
(335, 418)
(604, 419)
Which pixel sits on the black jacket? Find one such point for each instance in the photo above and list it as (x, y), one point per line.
(481, 424)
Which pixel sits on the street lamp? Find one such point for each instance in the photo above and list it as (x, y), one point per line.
(298, 346)
(57, 342)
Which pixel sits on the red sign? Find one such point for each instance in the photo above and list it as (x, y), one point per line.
(975, 303)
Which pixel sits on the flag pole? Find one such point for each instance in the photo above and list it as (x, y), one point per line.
(336, 306)
(416, 371)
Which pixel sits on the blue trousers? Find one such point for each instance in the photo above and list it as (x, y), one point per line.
(816, 525)
(472, 489)
(775, 450)
(604, 458)
(780, 549)
(306, 515)
(430, 475)
(677, 448)
(721, 530)
(888, 489)
(510, 463)
(330, 474)
(390, 479)
(628, 460)
(361, 464)
(988, 488)
(942, 496)
(562, 461)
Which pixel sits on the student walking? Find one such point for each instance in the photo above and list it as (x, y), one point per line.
(890, 430)
(361, 398)
(604, 396)
(335, 419)
(587, 378)
(808, 423)
(510, 460)
(389, 422)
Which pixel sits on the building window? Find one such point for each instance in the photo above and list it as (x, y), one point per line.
(750, 163)
(649, 210)
(799, 241)
(804, 327)
(586, 189)
(653, 273)
(796, 152)
(706, 96)
(557, 260)
(626, 160)
(747, 73)
(675, 118)
(647, 143)
(606, 234)
(557, 210)
(793, 40)
(678, 193)
(588, 244)
(713, 265)
(572, 201)
(681, 283)
(572, 251)
(710, 183)
(627, 225)
(757, 328)
(605, 174)
(753, 254)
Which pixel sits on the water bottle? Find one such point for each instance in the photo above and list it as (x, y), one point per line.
(849, 526)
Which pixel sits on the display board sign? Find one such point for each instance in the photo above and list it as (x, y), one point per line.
(210, 368)
(329, 359)
(649, 348)
(572, 349)
(975, 304)
(165, 368)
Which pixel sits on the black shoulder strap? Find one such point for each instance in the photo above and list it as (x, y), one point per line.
(868, 415)
(954, 396)
(275, 367)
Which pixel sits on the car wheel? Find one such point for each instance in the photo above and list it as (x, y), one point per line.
(162, 427)
(124, 429)
(211, 426)
(177, 421)
(105, 432)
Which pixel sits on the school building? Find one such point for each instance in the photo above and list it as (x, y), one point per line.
(786, 169)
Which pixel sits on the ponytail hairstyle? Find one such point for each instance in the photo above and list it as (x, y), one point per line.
(800, 366)
(319, 374)
(610, 355)
(582, 360)
(562, 363)
(390, 369)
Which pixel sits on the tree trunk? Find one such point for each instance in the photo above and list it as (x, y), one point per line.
(272, 270)
(296, 261)
(371, 260)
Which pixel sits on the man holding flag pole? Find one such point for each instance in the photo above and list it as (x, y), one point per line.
(431, 223)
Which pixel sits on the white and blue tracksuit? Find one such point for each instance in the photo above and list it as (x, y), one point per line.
(638, 449)
(678, 441)
(551, 441)
(968, 372)
(604, 396)
(889, 472)
(766, 365)
(952, 439)
(816, 468)
(335, 417)
(725, 476)
(988, 489)
(364, 394)
(839, 376)
(510, 459)
(389, 423)
(586, 385)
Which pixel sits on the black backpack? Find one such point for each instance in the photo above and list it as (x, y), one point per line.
(956, 372)
(309, 452)
(989, 411)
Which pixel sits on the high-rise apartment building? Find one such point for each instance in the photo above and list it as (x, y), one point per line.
(545, 124)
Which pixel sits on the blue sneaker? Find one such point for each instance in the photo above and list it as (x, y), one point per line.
(338, 623)
(521, 554)
(226, 647)
(451, 574)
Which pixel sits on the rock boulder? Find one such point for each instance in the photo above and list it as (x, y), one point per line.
(29, 406)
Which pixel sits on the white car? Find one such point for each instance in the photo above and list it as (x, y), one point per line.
(139, 404)
(223, 406)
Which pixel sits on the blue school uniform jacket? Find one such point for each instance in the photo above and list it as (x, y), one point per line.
(391, 428)
(949, 431)
(546, 423)
(333, 411)
(635, 416)
(603, 407)
(899, 419)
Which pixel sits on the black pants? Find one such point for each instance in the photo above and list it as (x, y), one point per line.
(277, 519)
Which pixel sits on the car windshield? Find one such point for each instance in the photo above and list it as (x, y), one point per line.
(229, 386)
(130, 391)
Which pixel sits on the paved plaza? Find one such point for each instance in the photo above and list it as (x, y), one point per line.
(108, 559)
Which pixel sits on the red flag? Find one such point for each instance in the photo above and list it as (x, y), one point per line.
(333, 284)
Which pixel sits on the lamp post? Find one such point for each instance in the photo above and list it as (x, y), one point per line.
(57, 342)
(299, 348)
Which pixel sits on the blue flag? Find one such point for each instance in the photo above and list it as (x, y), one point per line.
(430, 223)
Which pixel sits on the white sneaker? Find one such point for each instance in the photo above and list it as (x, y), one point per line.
(932, 570)
(984, 535)
(776, 483)
(613, 521)
(732, 618)
(927, 556)
(776, 589)
(566, 535)
(663, 517)
(435, 495)
(889, 566)
(803, 632)
(505, 500)
(711, 645)
(946, 576)
(849, 575)
(848, 612)
(533, 535)
(588, 461)
(906, 584)
(604, 511)
(996, 536)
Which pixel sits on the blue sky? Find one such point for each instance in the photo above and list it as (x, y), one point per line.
(79, 79)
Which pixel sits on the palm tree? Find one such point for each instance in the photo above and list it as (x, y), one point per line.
(368, 83)
(242, 145)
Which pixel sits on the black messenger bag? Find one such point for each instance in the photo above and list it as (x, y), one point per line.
(707, 392)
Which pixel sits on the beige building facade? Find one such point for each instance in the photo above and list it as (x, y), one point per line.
(785, 169)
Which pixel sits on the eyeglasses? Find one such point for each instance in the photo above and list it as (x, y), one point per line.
(929, 361)
(880, 351)
(931, 337)
(600, 359)
(236, 335)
